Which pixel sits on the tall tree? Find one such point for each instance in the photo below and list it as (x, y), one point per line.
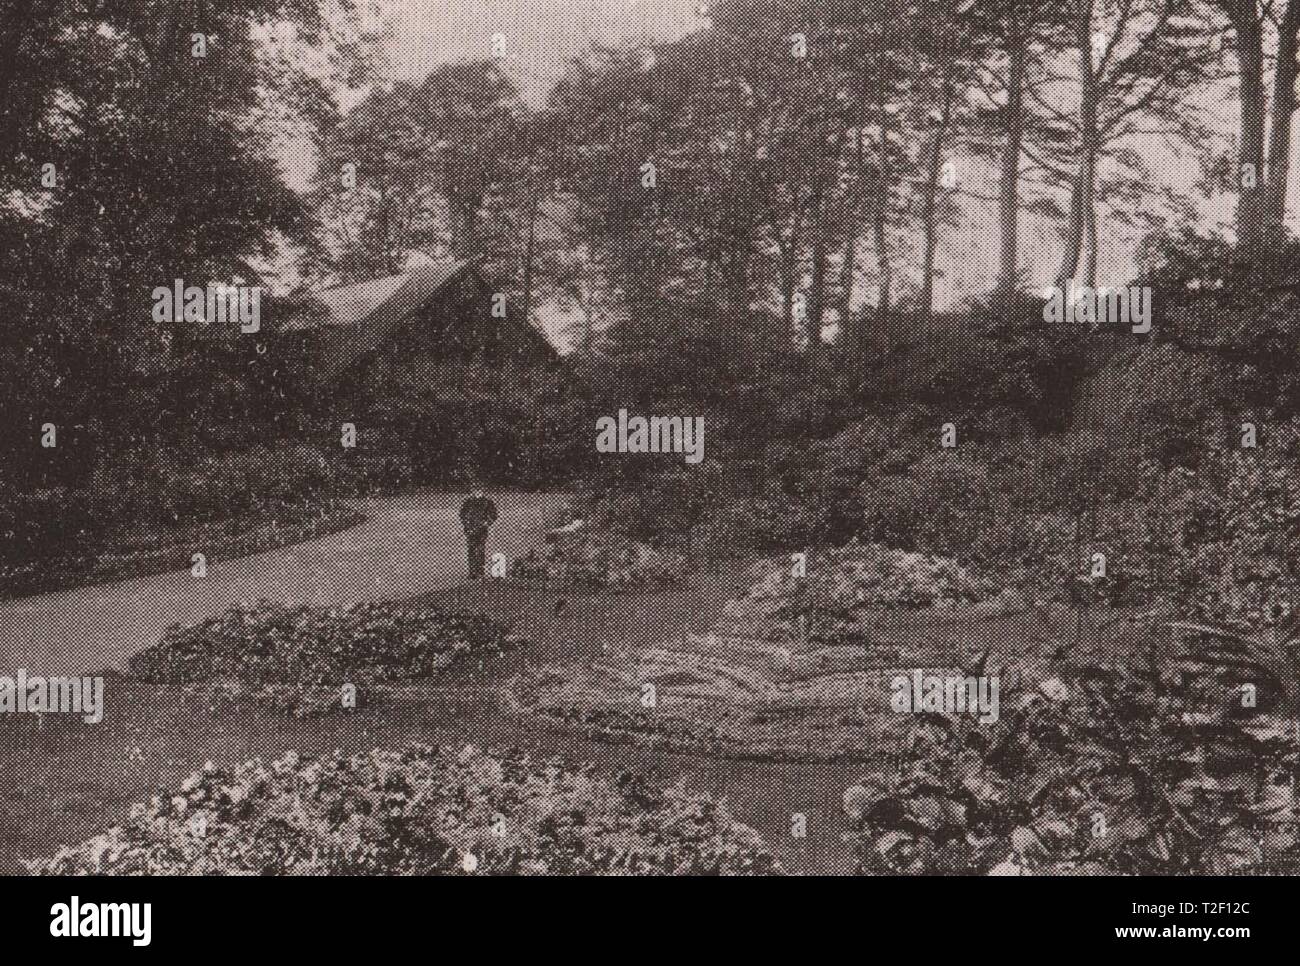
(415, 168)
(137, 149)
(1263, 179)
(947, 54)
(1138, 63)
(1018, 33)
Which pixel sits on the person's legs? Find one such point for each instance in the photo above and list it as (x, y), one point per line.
(476, 545)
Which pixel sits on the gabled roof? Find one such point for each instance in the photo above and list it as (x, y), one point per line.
(357, 318)
(362, 316)
(375, 300)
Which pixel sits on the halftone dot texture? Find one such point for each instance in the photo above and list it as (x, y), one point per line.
(1123, 739)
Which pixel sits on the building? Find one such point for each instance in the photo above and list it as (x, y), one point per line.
(436, 371)
(441, 315)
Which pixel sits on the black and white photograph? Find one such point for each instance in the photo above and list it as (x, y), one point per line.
(649, 438)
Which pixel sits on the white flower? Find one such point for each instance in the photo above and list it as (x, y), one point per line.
(1055, 689)
(856, 800)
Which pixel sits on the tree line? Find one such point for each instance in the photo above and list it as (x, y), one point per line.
(795, 169)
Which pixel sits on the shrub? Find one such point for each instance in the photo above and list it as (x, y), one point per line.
(420, 810)
(1096, 771)
(48, 524)
(1236, 561)
(944, 497)
(663, 511)
(65, 530)
(738, 528)
(316, 645)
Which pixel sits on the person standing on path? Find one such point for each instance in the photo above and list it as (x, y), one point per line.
(477, 514)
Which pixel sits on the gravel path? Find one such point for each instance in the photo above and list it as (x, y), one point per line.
(408, 545)
(81, 780)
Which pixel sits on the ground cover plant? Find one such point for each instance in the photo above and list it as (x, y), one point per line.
(277, 644)
(589, 557)
(151, 512)
(419, 810)
(822, 594)
(141, 554)
(794, 667)
(1126, 769)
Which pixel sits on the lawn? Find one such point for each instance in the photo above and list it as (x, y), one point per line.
(586, 651)
(81, 779)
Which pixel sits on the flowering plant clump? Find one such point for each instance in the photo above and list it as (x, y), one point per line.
(842, 583)
(1238, 563)
(272, 643)
(415, 811)
(1093, 772)
(599, 559)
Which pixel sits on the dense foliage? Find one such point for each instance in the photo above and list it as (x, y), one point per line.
(314, 645)
(587, 558)
(419, 811)
(1100, 772)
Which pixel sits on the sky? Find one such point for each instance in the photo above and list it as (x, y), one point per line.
(540, 35)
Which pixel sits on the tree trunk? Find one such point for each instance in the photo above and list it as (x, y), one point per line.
(930, 215)
(788, 257)
(884, 295)
(823, 186)
(885, 283)
(1089, 138)
(1073, 236)
(1009, 190)
(1250, 61)
(1279, 144)
(849, 267)
(534, 209)
(1090, 259)
(817, 292)
(848, 273)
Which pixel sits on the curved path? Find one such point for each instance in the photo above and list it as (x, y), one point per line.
(408, 544)
(82, 780)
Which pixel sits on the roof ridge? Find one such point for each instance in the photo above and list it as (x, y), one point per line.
(365, 281)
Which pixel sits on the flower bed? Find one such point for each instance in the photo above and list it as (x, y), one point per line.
(274, 644)
(583, 557)
(842, 585)
(1092, 772)
(797, 668)
(416, 811)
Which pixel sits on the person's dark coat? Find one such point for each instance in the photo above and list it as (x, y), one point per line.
(477, 514)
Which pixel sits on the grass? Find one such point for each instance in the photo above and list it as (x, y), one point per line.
(71, 780)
